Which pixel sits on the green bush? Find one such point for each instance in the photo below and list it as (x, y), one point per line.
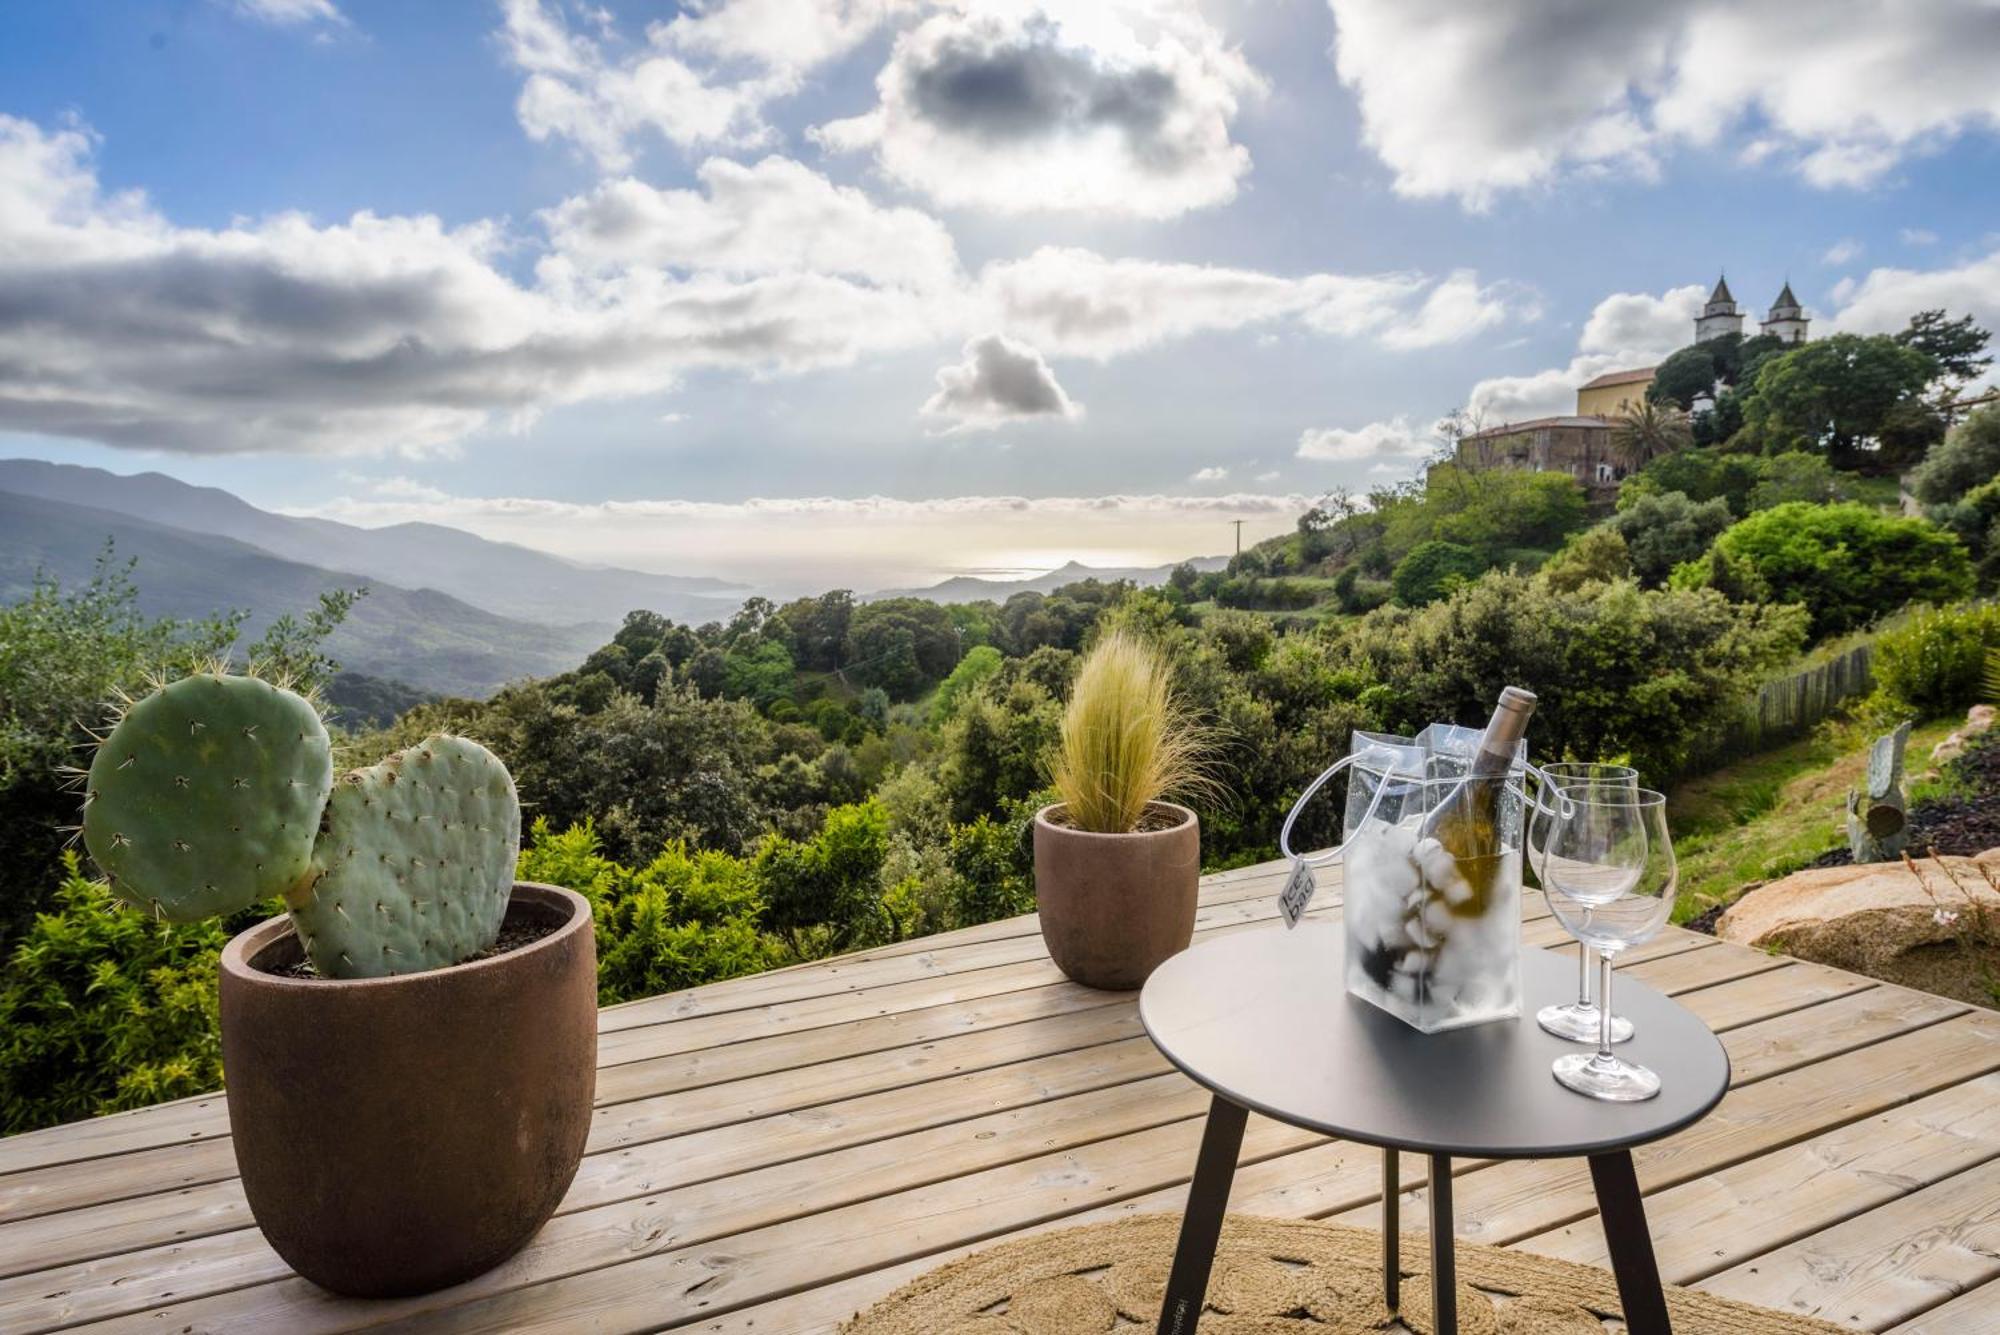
(1846, 564)
(824, 894)
(102, 1009)
(1936, 661)
(1968, 456)
(1432, 569)
(1664, 529)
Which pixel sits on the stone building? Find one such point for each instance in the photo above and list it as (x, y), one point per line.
(1787, 321)
(1579, 445)
(1613, 393)
(1720, 316)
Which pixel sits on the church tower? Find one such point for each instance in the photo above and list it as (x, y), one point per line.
(1786, 322)
(1720, 316)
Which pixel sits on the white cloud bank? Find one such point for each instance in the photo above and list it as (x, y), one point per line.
(1470, 101)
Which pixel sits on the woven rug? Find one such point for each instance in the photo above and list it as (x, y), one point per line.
(1274, 1277)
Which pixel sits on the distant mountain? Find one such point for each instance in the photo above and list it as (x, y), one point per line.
(501, 577)
(421, 638)
(970, 588)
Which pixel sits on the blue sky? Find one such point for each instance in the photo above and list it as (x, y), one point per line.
(926, 282)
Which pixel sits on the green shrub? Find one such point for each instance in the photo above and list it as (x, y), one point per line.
(1846, 564)
(102, 1009)
(1967, 456)
(1665, 529)
(824, 894)
(1431, 570)
(1936, 661)
(992, 877)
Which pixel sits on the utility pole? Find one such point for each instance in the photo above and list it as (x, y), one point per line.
(1239, 536)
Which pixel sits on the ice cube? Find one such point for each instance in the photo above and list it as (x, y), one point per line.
(1441, 873)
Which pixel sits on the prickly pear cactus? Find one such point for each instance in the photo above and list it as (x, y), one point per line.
(416, 862)
(206, 796)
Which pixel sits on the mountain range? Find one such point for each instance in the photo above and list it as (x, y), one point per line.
(972, 588)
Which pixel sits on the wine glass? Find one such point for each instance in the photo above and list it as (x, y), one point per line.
(1610, 875)
(1574, 1020)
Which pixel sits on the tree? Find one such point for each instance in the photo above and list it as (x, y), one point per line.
(1594, 556)
(1954, 346)
(1796, 476)
(1839, 397)
(1684, 377)
(1700, 475)
(1663, 531)
(1846, 564)
(1431, 569)
(1649, 431)
(1968, 456)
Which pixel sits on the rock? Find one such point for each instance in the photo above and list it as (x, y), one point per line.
(1951, 748)
(1989, 857)
(1877, 919)
(1978, 719)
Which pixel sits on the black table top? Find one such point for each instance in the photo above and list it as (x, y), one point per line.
(1264, 1019)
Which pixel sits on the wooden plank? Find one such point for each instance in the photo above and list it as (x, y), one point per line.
(654, 1290)
(1978, 1310)
(1698, 1226)
(1897, 1262)
(1506, 1202)
(68, 1186)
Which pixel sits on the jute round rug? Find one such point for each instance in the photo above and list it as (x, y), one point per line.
(1273, 1277)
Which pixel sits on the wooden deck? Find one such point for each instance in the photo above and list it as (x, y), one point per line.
(773, 1152)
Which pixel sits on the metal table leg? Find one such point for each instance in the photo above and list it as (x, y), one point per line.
(1444, 1260)
(1631, 1245)
(1201, 1226)
(1392, 1234)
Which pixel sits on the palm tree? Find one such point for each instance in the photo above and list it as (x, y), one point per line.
(1649, 430)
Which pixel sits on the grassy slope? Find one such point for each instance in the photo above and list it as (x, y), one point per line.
(1771, 814)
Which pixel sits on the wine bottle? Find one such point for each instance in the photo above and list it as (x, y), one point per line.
(1470, 844)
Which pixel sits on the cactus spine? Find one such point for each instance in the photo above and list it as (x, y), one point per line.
(218, 790)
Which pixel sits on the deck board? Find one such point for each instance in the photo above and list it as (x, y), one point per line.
(772, 1152)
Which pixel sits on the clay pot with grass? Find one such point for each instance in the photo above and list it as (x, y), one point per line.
(1117, 863)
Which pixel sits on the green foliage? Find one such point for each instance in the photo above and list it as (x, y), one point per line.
(992, 871)
(1491, 512)
(1936, 660)
(1684, 377)
(903, 645)
(1700, 475)
(1619, 670)
(681, 920)
(1433, 569)
(1663, 529)
(102, 1009)
(757, 670)
(1856, 399)
(1797, 476)
(1845, 564)
(1956, 347)
(825, 894)
(978, 664)
(1974, 519)
(1597, 555)
(1968, 456)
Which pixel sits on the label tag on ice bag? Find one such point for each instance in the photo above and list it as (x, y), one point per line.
(1298, 893)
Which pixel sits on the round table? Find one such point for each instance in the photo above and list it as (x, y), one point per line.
(1263, 1019)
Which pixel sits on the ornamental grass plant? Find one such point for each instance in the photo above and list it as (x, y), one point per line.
(1126, 741)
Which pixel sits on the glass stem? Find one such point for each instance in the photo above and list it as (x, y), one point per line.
(1582, 975)
(1604, 1007)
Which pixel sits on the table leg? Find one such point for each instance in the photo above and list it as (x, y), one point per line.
(1444, 1258)
(1631, 1245)
(1201, 1226)
(1392, 1230)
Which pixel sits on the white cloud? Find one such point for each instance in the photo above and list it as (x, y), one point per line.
(1110, 108)
(1844, 251)
(601, 101)
(999, 382)
(1625, 330)
(795, 35)
(1076, 302)
(1468, 102)
(376, 333)
(1884, 300)
(1917, 236)
(775, 216)
(285, 13)
(1270, 476)
(1395, 439)
(1211, 474)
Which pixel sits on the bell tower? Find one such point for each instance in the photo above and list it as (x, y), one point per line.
(1720, 316)
(1787, 321)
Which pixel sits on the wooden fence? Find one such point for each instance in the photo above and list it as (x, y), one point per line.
(1787, 708)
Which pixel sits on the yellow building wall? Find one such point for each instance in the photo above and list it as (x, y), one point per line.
(1611, 400)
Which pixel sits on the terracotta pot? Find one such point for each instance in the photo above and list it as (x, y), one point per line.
(1114, 907)
(396, 1135)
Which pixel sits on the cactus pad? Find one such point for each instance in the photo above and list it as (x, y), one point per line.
(416, 859)
(206, 796)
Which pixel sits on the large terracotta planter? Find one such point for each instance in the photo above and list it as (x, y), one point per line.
(1114, 907)
(396, 1135)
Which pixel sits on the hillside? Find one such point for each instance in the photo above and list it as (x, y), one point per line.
(420, 637)
(499, 577)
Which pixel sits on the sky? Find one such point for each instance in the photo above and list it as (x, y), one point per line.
(815, 293)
